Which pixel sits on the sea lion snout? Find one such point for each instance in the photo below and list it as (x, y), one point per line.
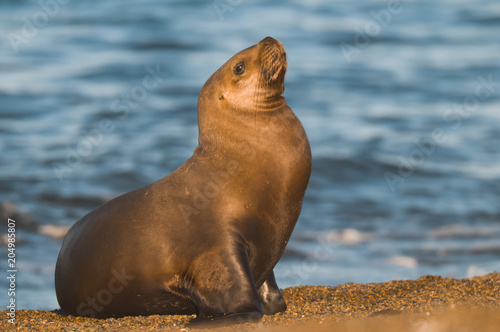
(273, 49)
(273, 66)
(270, 40)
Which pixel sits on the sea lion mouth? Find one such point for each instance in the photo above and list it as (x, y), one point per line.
(272, 68)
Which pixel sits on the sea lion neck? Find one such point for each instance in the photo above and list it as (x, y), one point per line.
(269, 104)
(228, 126)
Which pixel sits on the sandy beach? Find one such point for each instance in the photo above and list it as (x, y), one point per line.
(430, 303)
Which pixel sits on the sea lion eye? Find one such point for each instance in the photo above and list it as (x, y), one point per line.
(239, 68)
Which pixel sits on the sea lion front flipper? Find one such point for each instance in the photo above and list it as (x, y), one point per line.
(271, 297)
(226, 294)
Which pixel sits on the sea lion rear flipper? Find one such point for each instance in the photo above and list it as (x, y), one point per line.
(231, 296)
(271, 297)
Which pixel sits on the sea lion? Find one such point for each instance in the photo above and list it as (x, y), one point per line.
(205, 238)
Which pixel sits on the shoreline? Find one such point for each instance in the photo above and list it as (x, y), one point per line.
(402, 303)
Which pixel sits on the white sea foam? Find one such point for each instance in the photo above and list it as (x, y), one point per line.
(459, 230)
(348, 236)
(404, 261)
(54, 231)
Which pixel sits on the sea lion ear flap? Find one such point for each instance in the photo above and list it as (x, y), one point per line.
(221, 97)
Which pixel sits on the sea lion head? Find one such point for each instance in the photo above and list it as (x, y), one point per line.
(252, 80)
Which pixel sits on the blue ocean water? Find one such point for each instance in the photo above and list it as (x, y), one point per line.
(400, 100)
